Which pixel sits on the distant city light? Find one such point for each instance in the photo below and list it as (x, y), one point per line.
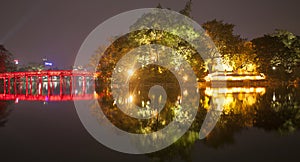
(274, 68)
(16, 62)
(48, 63)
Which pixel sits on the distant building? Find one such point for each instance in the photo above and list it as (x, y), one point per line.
(47, 64)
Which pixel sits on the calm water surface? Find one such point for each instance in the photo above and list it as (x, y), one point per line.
(256, 125)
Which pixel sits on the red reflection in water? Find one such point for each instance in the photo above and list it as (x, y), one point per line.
(46, 98)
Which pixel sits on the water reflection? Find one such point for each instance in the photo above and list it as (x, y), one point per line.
(240, 108)
(271, 109)
(235, 99)
(267, 108)
(281, 111)
(255, 107)
(4, 112)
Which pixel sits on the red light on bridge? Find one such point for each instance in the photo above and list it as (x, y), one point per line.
(14, 87)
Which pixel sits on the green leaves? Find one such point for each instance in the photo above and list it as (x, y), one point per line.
(6, 60)
(279, 54)
(235, 51)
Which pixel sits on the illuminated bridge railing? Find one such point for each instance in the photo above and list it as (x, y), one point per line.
(59, 85)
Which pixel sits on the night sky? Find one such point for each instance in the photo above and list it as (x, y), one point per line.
(33, 29)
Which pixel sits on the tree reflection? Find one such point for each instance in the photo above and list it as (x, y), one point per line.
(268, 108)
(4, 112)
(139, 86)
(181, 149)
(279, 110)
(272, 109)
(275, 109)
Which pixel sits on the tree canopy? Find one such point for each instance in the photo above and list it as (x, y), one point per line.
(235, 51)
(279, 54)
(6, 60)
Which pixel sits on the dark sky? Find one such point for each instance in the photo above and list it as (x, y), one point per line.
(32, 29)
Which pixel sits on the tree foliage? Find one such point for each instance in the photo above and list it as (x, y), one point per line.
(279, 54)
(235, 51)
(6, 60)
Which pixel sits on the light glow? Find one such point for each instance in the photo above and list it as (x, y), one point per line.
(214, 91)
(130, 72)
(48, 64)
(130, 99)
(221, 76)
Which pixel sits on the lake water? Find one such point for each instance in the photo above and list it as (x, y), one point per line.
(257, 124)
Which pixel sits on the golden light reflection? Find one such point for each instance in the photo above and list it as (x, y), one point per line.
(216, 91)
(234, 99)
(230, 76)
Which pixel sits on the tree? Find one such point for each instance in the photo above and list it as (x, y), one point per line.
(32, 66)
(149, 71)
(146, 37)
(279, 54)
(235, 51)
(187, 9)
(6, 65)
(171, 39)
(6, 60)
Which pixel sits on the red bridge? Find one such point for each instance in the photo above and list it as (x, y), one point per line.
(47, 85)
